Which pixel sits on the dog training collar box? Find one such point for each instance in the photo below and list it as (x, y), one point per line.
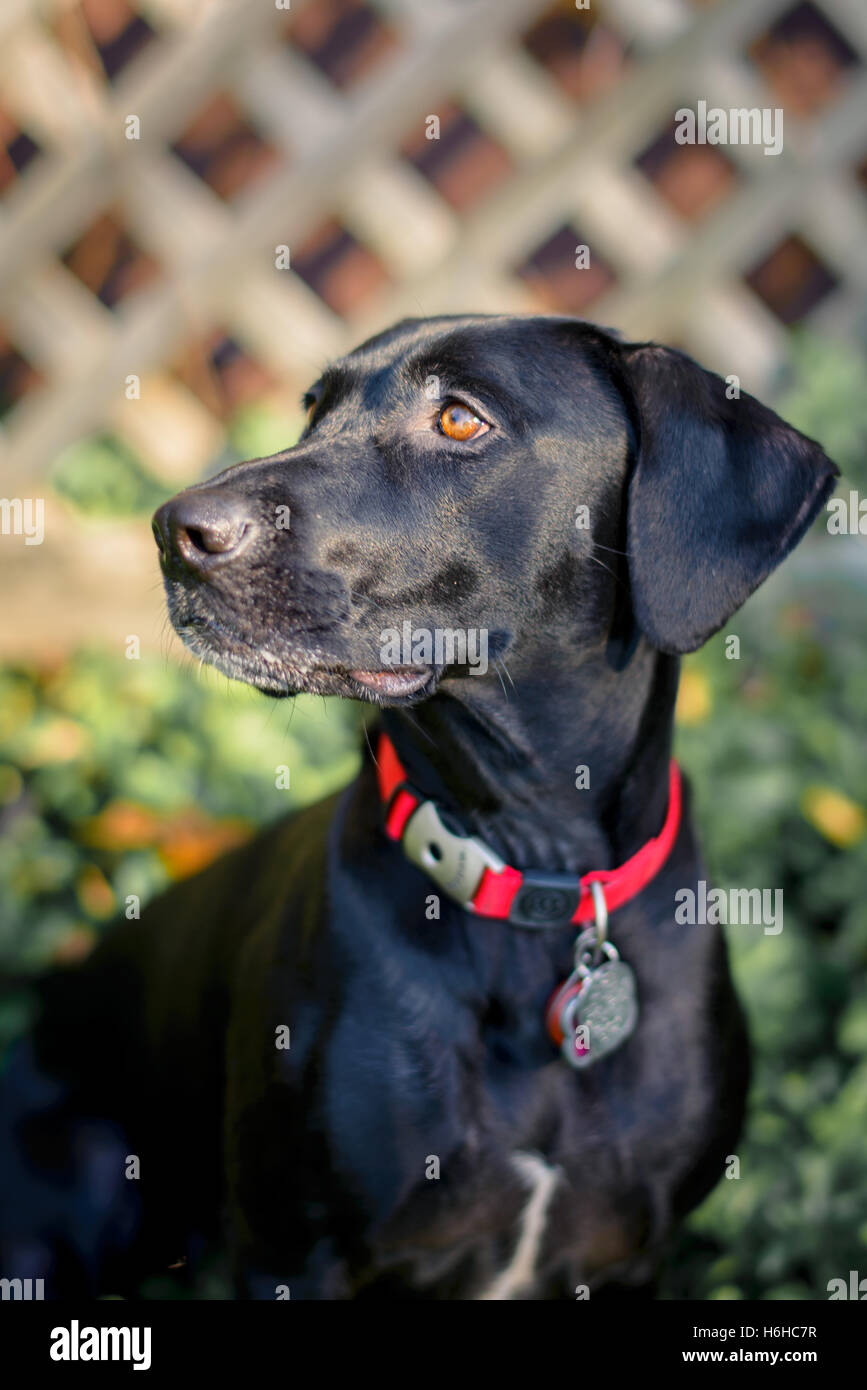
(545, 900)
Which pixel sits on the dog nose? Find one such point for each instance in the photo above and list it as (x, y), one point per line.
(201, 529)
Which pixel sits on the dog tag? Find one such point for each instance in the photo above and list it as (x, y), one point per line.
(606, 1006)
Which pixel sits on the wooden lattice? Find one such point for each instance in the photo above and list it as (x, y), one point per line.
(306, 127)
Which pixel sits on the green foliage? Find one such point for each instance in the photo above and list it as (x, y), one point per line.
(776, 768)
(117, 776)
(779, 768)
(102, 478)
(259, 430)
(826, 398)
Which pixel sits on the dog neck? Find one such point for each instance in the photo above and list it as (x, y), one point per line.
(560, 766)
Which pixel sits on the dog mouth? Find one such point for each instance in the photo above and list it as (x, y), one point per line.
(301, 669)
(396, 682)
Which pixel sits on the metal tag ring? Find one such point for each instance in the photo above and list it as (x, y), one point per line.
(589, 953)
(600, 909)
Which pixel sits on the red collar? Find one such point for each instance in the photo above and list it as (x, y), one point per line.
(469, 871)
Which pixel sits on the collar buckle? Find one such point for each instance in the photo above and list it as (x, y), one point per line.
(455, 862)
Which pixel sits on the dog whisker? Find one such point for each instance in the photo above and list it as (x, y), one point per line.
(499, 675)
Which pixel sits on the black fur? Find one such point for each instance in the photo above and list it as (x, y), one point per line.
(413, 1038)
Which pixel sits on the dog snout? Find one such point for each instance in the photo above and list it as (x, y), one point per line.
(201, 529)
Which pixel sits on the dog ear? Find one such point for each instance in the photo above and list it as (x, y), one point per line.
(722, 490)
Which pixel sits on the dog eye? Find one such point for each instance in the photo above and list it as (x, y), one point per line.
(459, 422)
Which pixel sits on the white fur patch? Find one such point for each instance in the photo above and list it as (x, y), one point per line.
(536, 1174)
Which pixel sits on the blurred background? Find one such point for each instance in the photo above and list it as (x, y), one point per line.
(201, 201)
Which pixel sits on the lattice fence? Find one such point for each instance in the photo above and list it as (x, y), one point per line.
(258, 124)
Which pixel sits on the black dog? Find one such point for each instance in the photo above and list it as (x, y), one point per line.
(589, 509)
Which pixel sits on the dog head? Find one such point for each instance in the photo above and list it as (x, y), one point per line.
(471, 487)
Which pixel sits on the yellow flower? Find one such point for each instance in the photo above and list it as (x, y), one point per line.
(95, 893)
(693, 698)
(54, 740)
(839, 819)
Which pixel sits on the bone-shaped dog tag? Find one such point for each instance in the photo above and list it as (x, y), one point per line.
(607, 1007)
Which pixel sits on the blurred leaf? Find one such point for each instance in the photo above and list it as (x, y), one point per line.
(102, 478)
